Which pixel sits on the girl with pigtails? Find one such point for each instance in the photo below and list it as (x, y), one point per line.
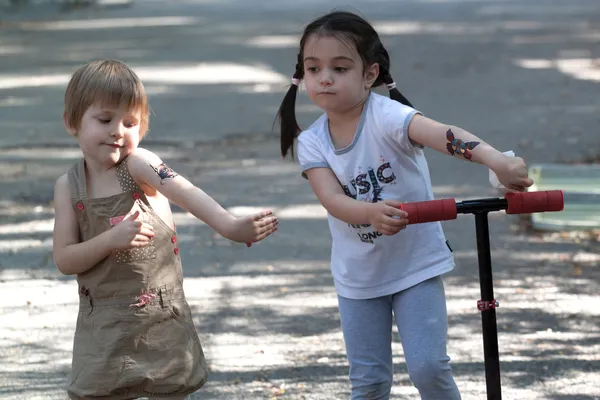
(364, 157)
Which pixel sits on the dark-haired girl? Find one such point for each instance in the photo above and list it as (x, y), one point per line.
(364, 157)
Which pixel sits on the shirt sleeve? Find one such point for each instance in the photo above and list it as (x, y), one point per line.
(310, 154)
(395, 119)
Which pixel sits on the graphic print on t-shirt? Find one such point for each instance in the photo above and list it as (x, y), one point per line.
(369, 186)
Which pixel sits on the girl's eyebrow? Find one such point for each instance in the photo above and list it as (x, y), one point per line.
(337, 58)
(105, 111)
(131, 116)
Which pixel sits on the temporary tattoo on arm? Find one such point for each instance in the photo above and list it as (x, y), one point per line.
(163, 172)
(458, 147)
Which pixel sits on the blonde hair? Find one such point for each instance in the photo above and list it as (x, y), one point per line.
(109, 83)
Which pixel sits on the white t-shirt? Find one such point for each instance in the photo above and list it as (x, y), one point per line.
(380, 163)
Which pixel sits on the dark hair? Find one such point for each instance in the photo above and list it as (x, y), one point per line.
(350, 28)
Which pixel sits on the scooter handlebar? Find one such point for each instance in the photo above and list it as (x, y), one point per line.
(533, 202)
(516, 203)
(430, 211)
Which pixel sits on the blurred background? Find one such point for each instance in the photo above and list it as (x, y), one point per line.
(521, 74)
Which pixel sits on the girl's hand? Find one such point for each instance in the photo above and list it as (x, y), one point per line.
(131, 233)
(254, 228)
(387, 218)
(512, 173)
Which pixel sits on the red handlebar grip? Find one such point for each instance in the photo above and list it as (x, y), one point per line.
(533, 202)
(430, 211)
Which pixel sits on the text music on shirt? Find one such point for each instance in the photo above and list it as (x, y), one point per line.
(369, 186)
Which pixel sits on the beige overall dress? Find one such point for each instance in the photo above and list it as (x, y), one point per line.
(135, 336)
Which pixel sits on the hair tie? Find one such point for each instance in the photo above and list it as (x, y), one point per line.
(391, 86)
(295, 81)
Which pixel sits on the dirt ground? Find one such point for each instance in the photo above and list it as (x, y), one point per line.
(521, 74)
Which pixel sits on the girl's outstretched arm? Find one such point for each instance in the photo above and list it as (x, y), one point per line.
(455, 141)
(147, 168)
(385, 216)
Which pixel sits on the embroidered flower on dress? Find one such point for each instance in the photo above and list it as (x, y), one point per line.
(143, 299)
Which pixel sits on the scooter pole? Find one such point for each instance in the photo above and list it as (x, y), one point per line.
(513, 203)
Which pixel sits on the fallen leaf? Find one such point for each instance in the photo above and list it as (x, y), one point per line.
(577, 270)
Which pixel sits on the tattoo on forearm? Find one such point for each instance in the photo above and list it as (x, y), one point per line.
(163, 172)
(458, 147)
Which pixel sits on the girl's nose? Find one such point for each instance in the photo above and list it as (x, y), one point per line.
(326, 80)
(118, 132)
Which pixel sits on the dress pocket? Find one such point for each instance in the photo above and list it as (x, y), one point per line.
(172, 338)
(173, 327)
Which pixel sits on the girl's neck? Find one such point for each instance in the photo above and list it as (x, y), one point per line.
(343, 118)
(96, 169)
(101, 180)
(342, 126)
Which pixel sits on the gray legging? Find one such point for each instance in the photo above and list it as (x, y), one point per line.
(422, 323)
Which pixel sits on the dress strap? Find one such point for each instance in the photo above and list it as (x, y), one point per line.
(128, 184)
(77, 182)
(125, 179)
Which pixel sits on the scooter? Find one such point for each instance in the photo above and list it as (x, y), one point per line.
(512, 203)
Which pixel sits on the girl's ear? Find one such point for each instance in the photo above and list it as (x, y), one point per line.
(70, 130)
(371, 74)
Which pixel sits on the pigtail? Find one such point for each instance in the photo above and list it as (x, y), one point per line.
(394, 92)
(287, 113)
(386, 78)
